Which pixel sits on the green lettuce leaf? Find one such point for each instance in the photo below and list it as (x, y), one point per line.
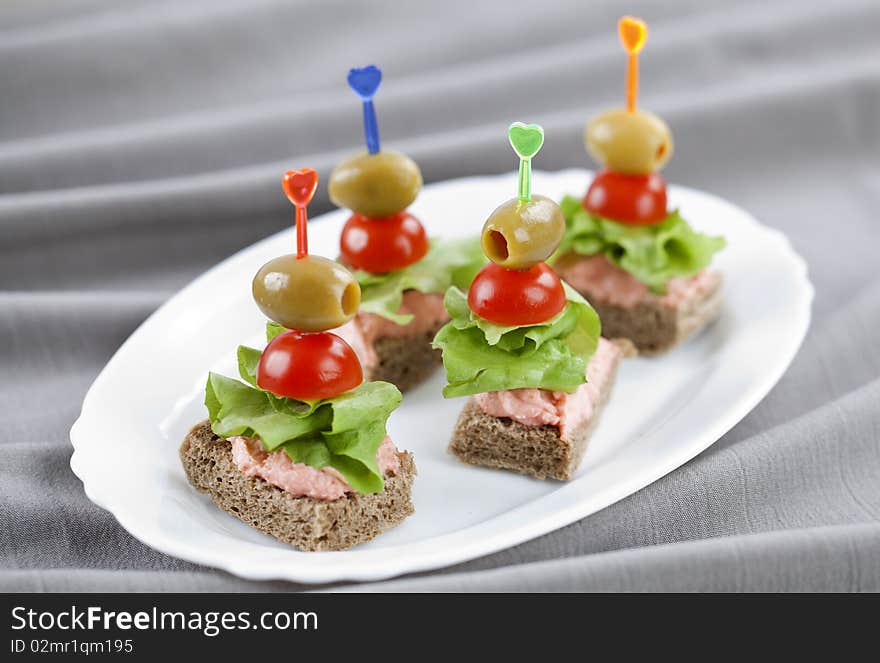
(652, 254)
(248, 360)
(447, 263)
(239, 409)
(482, 356)
(273, 329)
(343, 432)
(316, 453)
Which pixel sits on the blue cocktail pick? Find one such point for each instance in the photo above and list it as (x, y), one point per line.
(365, 81)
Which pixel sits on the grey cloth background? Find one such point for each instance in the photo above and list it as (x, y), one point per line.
(142, 142)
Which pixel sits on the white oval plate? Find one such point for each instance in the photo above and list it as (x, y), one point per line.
(663, 411)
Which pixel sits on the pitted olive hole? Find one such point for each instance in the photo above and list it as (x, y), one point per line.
(498, 246)
(350, 299)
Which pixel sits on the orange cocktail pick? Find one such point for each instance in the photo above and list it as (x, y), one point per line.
(299, 187)
(633, 33)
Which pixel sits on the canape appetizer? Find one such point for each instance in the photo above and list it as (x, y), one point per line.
(402, 274)
(524, 345)
(641, 265)
(299, 449)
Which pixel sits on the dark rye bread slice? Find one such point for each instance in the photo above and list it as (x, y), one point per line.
(303, 522)
(502, 443)
(653, 326)
(406, 361)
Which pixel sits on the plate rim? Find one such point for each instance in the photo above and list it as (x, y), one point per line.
(396, 565)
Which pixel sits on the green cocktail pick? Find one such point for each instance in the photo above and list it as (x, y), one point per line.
(526, 140)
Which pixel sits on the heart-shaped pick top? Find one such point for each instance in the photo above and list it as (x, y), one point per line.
(633, 33)
(299, 185)
(526, 139)
(365, 81)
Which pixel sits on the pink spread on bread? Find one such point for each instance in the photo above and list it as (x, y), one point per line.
(541, 407)
(426, 308)
(600, 279)
(299, 479)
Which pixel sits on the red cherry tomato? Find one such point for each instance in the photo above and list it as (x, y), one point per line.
(383, 245)
(308, 367)
(516, 297)
(632, 199)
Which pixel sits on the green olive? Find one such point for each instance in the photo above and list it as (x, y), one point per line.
(632, 143)
(519, 234)
(308, 294)
(375, 185)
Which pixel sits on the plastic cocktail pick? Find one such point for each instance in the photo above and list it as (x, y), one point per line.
(526, 140)
(633, 33)
(365, 81)
(299, 187)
